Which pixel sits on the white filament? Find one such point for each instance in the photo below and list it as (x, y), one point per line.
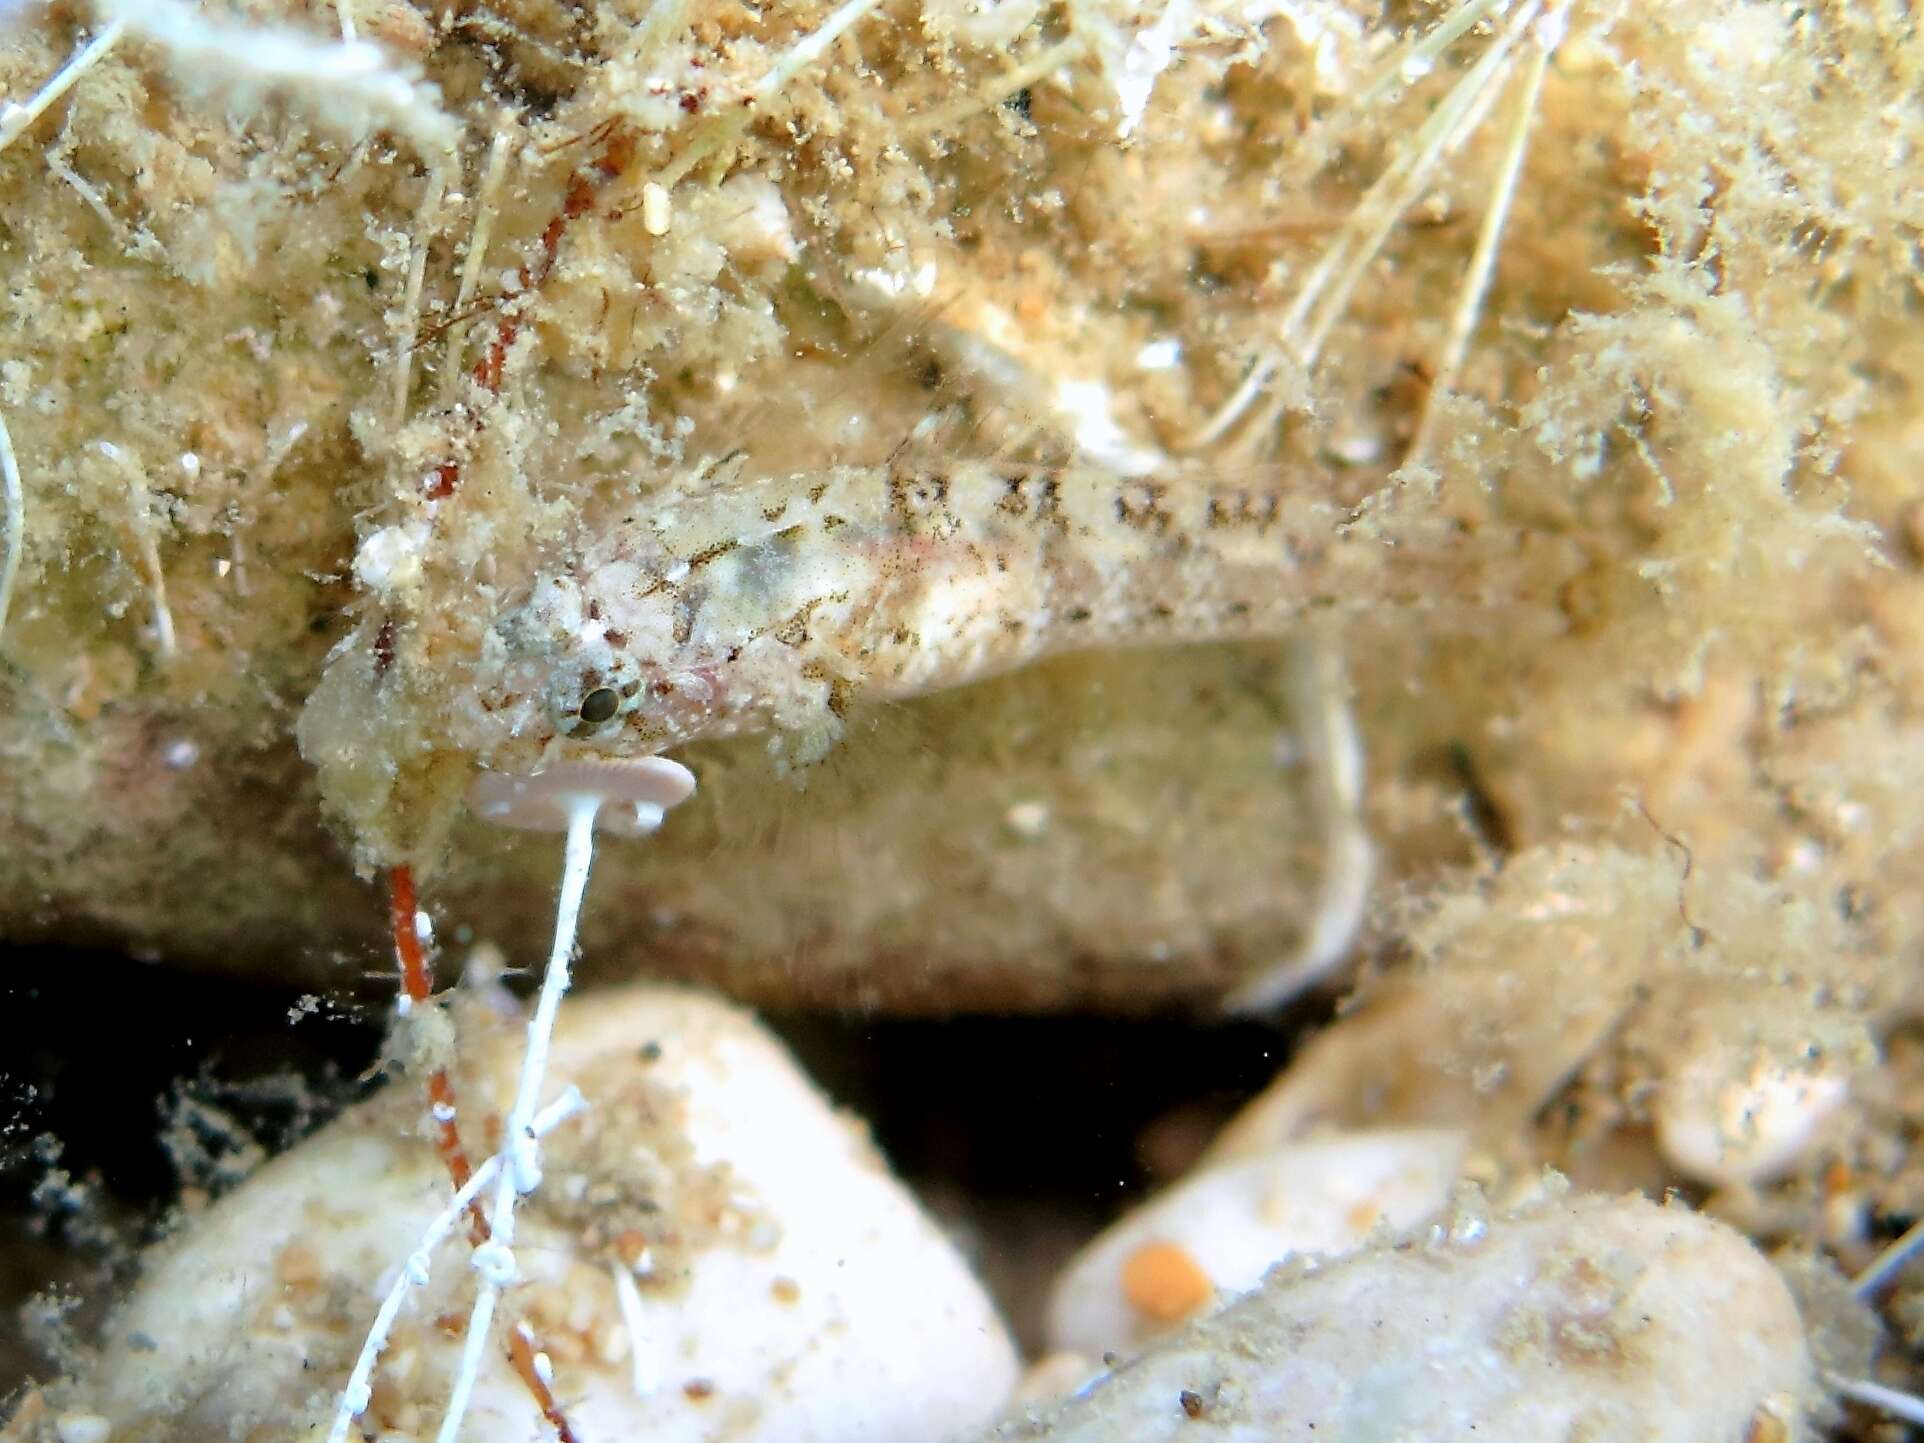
(14, 118)
(522, 1172)
(414, 1272)
(641, 1361)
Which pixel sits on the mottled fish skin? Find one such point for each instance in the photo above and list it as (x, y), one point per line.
(776, 603)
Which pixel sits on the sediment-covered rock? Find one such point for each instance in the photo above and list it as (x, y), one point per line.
(780, 1284)
(1602, 1318)
(304, 405)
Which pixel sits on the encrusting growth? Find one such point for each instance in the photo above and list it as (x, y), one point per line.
(1546, 33)
(1325, 292)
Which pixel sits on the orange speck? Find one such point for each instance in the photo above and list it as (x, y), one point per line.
(1362, 1217)
(1163, 1282)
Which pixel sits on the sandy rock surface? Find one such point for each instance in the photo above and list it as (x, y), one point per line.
(1602, 1318)
(786, 1288)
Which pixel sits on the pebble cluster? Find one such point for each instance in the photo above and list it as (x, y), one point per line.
(715, 1252)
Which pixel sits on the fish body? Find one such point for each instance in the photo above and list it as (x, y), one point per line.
(777, 603)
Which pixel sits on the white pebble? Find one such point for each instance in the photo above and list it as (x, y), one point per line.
(1735, 1116)
(1220, 1230)
(1587, 1317)
(857, 1321)
(83, 1428)
(1055, 1375)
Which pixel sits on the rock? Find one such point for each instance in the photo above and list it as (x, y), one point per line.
(1606, 1319)
(1558, 1008)
(306, 512)
(1053, 1376)
(1520, 979)
(1734, 1116)
(1221, 1229)
(786, 1286)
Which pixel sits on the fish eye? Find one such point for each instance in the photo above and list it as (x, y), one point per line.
(599, 705)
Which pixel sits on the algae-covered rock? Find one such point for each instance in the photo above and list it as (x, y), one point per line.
(315, 382)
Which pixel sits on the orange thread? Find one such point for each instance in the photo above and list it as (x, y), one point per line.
(418, 984)
(521, 1358)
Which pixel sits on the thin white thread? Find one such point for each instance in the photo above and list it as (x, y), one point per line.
(414, 1272)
